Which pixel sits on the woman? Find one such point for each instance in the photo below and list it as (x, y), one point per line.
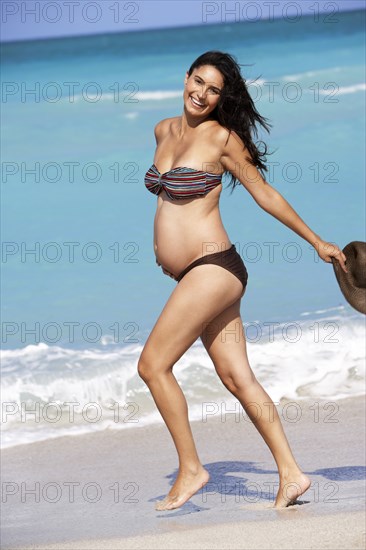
(212, 136)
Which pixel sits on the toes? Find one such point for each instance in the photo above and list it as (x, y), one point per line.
(173, 505)
(162, 504)
(159, 505)
(167, 504)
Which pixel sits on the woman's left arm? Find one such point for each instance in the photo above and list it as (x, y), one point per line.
(236, 160)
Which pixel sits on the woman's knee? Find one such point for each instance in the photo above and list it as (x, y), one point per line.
(238, 382)
(149, 368)
(144, 368)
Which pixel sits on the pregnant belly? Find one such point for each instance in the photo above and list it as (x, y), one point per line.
(179, 244)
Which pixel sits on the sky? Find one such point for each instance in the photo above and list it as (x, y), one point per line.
(34, 19)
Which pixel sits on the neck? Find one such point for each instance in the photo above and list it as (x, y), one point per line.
(189, 123)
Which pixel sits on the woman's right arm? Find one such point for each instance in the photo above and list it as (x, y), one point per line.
(159, 202)
(158, 130)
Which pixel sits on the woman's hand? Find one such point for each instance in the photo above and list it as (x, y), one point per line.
(328, 250)
(165, 271)
(168, 273)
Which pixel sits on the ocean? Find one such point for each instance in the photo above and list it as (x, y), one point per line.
(80, 287)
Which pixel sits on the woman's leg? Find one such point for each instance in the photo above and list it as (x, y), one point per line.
(199, 297)
(224, 340)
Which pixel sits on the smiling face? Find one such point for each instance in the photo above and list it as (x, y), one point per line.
(202, 90)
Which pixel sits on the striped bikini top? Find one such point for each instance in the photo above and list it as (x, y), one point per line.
(181, 182)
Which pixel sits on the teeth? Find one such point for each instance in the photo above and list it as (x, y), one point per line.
(196, 102)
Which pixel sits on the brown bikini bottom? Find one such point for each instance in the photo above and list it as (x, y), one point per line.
(228, 259)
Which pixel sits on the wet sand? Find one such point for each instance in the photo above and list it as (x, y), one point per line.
(98, 490)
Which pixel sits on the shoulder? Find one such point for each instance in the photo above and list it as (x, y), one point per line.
(163, 127)
(230, 147)
(228, 139)
(235, 156)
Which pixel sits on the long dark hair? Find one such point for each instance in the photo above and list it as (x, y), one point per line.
(235, 109)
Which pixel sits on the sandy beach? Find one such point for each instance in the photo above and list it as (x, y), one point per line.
(98, 490)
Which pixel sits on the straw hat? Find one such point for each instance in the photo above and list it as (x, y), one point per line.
(353, 283)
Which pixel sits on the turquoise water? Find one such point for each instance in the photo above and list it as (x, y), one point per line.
(74, 157)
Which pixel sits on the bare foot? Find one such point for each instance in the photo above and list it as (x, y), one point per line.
(185, 486)
(291, 487)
